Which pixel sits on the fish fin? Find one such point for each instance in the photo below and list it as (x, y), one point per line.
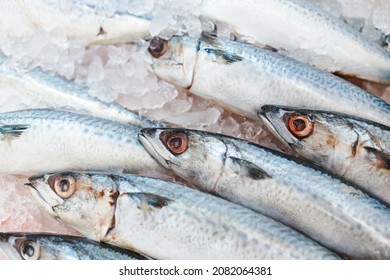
(150, 200)
(12, 130)
(270, 48)
(378, 158)
(209, 38)
(227, 57)
(250, 169)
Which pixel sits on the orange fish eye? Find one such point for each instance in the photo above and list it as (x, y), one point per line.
(177, 143)
(300, 126)
(158, 47)
(64, 186)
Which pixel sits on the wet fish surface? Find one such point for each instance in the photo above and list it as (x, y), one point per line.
(47, 140)
(355, 149)
(244, 77)
(335, 214)
(40, 246)
(165, 220)
(37, 87)
(82, 21)
(299, 24)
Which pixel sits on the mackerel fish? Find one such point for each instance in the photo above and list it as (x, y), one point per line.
(39, 246)
(46, 140)
(336, 215)
(355, 149)
(299, 24)
(165, 220)
(243, 77)
(83, 21)
(38, 88)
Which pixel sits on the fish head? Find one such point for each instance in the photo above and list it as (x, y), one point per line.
(193, 155)
(19, 246)
(173, 60)
(84, 202)
(315, 135)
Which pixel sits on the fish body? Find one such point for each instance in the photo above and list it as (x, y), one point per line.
(355, 149)
(243, 77)
(165, 220)
(38, 246)
(335, 214)
(299, 24)
(82, 21)
(37, 87)
(41, 140)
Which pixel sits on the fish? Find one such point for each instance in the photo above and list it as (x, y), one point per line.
(355, 149)
(82, 21)
(299, 24)
(291, 191)
(243, 77)
(47, 140)
(46, 246)
(165, 220)
(38, 88)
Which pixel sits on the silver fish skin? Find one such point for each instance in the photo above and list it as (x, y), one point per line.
(299, 24)
(243, 77)
(335, 214)
(81, 20)
(355, 149)
(47, 140)
(165, 220)
(37, 87)
(42, 246)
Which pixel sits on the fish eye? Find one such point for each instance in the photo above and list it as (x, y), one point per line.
(64, 186)
(177, 143)
(158, 47)
(29, 250)
(300, 126)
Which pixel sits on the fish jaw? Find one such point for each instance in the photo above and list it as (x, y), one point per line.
(90, 210)
(8, 250)
(177, 64)
(272, 117)
(45, 198)
(154, 146)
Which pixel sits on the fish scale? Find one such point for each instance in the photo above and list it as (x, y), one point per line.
(354, 148)
(259, 77)
(59, 247)
(165, 220)
(56, 92)
(300, 24)
(288, 190)
(56, 140)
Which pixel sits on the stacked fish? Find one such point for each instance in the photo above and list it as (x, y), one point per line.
(246, 201)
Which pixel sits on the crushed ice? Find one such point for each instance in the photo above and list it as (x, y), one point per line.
(118, 72)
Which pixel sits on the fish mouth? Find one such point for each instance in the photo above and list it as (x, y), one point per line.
(263, 116)
(144, 135)
(40, 199)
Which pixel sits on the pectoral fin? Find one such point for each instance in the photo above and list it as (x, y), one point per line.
(146, 202)
(249, 169)
(11, 131)
(378, 158)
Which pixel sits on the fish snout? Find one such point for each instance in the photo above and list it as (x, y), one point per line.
(147, 132)
(33, 180)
